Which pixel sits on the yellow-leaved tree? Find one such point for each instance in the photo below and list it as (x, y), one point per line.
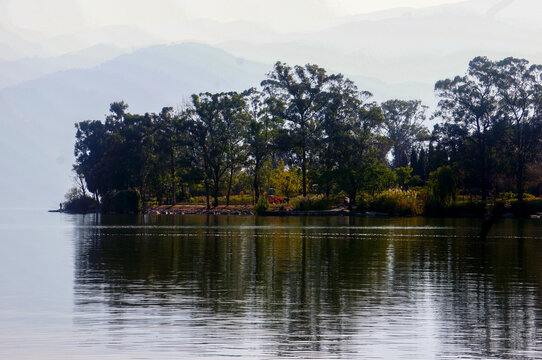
(286, 182)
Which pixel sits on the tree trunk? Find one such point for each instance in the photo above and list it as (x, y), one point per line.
(173, 193)
(215, 193)
(520, 164)
(352, 194)
(352, 199)
(173, 188)
(304, 171)
(256, 188)
(484, 173)
(229, 187)
(520, 180)
(142, 193)
(304, 156)
(207, 193)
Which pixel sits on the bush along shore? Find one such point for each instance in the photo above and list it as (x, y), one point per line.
(394, 202)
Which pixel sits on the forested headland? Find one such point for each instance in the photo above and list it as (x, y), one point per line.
(319, 141)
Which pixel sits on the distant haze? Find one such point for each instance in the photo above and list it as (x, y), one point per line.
(57, 16)
(64, 61)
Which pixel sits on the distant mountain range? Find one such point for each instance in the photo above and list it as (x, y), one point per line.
(421, 45)
(394, 54)
(13, 72)
(38, 116)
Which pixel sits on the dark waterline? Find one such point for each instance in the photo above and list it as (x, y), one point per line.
(154, 287)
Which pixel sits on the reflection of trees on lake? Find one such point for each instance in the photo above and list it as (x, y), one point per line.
(314, 287)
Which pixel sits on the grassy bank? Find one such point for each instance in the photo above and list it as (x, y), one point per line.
(392, 202)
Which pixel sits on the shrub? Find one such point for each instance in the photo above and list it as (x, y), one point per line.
(287, 182)
(507, 196)
(239, 199)
(262, 205)
(396, 202)
(500, 207)
(415, 182)
(80, 204)
(456, 209)
(311, 202)
(364, 202)
(511, 196)
(471, 208)
(403, 175)
(526, 208)
(122, 202)
(442, 185)
(433, 207)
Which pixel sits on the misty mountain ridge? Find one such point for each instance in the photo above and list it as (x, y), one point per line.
(398, 45)
(13, 72)
(37, 140)
(407, 44)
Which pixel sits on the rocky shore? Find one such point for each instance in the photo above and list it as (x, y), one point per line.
(199, 210)
(247, 210)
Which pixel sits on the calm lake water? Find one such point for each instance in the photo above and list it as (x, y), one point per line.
(165, 287)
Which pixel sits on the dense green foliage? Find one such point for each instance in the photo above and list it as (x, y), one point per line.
(80, 204)
(492, 126)
(261, 205)
(78, 201)
(122, 202)
(311, 202)
(309, 132)
(397, 202)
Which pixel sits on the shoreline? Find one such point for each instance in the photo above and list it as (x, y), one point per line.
(248, 210)
(198, 210)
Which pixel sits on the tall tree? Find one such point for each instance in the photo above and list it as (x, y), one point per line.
(403, 124)
(299, 92)
(258, 135)
(174, 150)
(520, 88)
(216, 133)
(471, 102)
(91, 140)
(340, 118)
(117, 155)
(358, 147)
(233, 112)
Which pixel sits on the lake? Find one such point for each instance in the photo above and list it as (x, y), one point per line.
(198, 287)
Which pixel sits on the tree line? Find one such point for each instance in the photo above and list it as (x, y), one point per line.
(309, 131)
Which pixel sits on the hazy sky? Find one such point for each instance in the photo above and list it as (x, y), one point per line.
(59, 16)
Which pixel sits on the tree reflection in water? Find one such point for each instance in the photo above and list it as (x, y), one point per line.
(304, 286)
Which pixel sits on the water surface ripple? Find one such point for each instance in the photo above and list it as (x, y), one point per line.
(169, 287)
